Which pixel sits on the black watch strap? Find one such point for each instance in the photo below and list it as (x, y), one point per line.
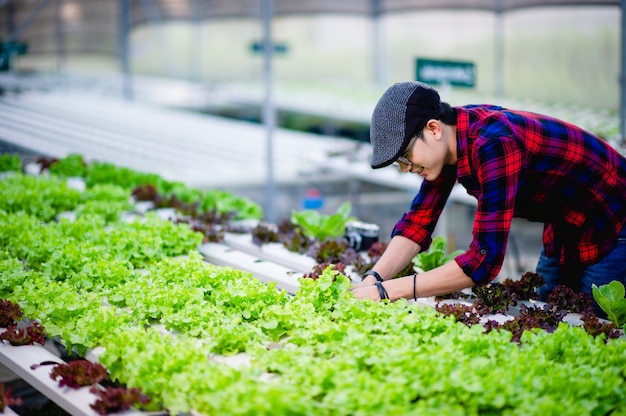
(382, 292)
(373, 273)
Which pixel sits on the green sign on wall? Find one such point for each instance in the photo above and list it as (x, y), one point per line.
(278, 48)
(457, 73)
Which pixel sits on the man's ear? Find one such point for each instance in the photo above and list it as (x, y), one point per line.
(434, 127)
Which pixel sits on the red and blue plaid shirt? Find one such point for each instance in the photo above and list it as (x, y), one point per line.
(526, 165)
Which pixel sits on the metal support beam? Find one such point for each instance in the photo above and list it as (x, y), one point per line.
(124, 47)
(60, 37)
(196, 44)
(269, 113)
(379, 56)
(498, 55)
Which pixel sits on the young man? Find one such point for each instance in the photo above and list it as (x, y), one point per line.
(516, 164)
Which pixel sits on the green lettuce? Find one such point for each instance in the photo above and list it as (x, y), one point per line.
(435, 256)
(320, 226)
(610, 298)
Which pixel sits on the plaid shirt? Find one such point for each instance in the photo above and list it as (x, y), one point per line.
(521, 164)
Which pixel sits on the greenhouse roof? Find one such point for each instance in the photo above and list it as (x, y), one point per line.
(37, 22)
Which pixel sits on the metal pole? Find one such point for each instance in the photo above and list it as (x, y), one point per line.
(379, 55)
(124, 47)
(195, 63)
(498, 55)
(269, 114)
(10, 23)
(60, 37)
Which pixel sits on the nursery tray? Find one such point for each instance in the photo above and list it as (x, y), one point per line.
(266, 271)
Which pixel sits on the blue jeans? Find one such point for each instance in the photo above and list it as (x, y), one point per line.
(610, 267)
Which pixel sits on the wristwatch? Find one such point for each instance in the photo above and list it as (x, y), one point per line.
(373, 273)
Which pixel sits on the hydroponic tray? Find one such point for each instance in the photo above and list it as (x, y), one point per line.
(273, 252)
(266, 271)
(20, 359)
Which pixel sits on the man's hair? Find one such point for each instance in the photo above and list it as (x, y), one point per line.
(447, 114)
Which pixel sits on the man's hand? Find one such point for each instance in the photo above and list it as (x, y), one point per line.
(368, 281)
(366, 292)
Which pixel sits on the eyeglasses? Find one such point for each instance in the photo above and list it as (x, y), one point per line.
(404, 164)
(403, 161)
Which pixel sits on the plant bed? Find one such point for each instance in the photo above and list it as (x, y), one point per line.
(140, 298)
(510, 305)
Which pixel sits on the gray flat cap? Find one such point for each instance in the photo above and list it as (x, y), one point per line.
(400, 113)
